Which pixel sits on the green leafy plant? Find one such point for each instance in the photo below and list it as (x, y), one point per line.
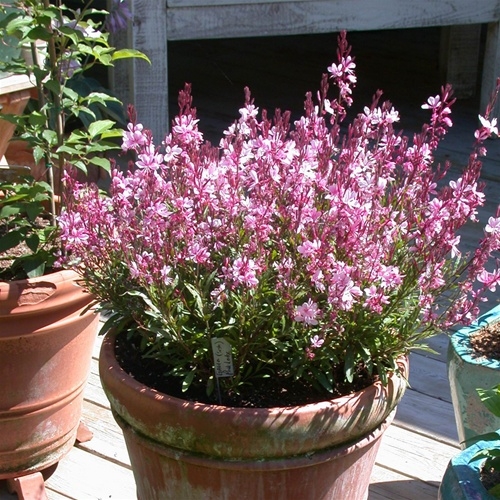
(489, 455)
(59, 46)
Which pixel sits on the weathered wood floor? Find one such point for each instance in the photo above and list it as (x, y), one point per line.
(417, 447)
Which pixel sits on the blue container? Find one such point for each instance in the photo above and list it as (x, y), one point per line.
(461, 479)
(468, 372)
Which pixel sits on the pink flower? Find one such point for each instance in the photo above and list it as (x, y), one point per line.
(432, 102)
(307, 313)
(309, 248)
(244, 272)
(493, 225)
(134, 137)
(317, 342)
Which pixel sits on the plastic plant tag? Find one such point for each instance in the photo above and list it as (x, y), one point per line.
(223, 357)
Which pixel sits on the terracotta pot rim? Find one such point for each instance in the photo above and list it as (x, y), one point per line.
(54, 277)
(153, 394)
(309, 459)
(49, 292)
(245, 432)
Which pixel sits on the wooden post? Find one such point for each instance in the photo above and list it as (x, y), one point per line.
(459, 57)
(137, 82)
(491, 70)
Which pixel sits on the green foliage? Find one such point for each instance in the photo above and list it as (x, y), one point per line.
(22, 221)
(73, 122)
(491, 456)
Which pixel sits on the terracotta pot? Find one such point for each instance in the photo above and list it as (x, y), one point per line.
(46, 343)
(462, 480)
(467, 372)
(180, 449)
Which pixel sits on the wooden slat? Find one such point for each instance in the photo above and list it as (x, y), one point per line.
(85, 476)
(387, 484)
(322, 16)
(430, 416)
(108, 438)
(429, 376)
(414, 455)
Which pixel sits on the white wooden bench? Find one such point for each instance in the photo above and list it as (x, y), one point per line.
(155, 22)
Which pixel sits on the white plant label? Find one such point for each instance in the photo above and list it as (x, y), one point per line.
(223, 358)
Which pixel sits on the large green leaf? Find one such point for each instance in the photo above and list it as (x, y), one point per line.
(491, 399)
(99, 127)
(128, 53)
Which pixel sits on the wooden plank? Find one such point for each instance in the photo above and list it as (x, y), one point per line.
(426, 415)
(387, 484)
(419, 457)
(429, 376)
(322, 16)
(93, 390)
(108, 439)
(82, 475)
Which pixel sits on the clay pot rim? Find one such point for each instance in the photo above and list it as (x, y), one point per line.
(50, 291)
(54, 277)
(376, 388)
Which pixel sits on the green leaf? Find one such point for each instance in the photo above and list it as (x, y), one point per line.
(38, 154)
(33, 210)
(101, 162)
(349, 367)
(9, 210)
(491, 399)
(71, 94)
(10, 240)
(34, 268)
(323, 380)
(100, 97)
(197, 298)
(53, 85)
(32, 242)
(99, 127)
(188, 379)
(39, 33)
(37, 119)
(50, 136)
(128, 53)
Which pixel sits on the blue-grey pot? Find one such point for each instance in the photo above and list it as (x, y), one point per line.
(468, 372)
(461, 480)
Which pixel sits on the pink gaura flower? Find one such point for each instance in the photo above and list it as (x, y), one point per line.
(493, 225)
(317, 342)
(307, 313)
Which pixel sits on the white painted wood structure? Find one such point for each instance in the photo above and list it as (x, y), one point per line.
(156, 22)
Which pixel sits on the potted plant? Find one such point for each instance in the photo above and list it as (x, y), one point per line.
(474, 360)
(263, 294)
(475, 472)
(47, 328)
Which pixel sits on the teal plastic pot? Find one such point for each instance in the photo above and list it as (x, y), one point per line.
(461, 480)
(468, 372)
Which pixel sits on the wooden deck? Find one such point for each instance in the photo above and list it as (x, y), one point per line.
(418, 446)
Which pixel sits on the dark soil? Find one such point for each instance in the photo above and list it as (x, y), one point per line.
(486, 342)
(262, 393)
(490, 477)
